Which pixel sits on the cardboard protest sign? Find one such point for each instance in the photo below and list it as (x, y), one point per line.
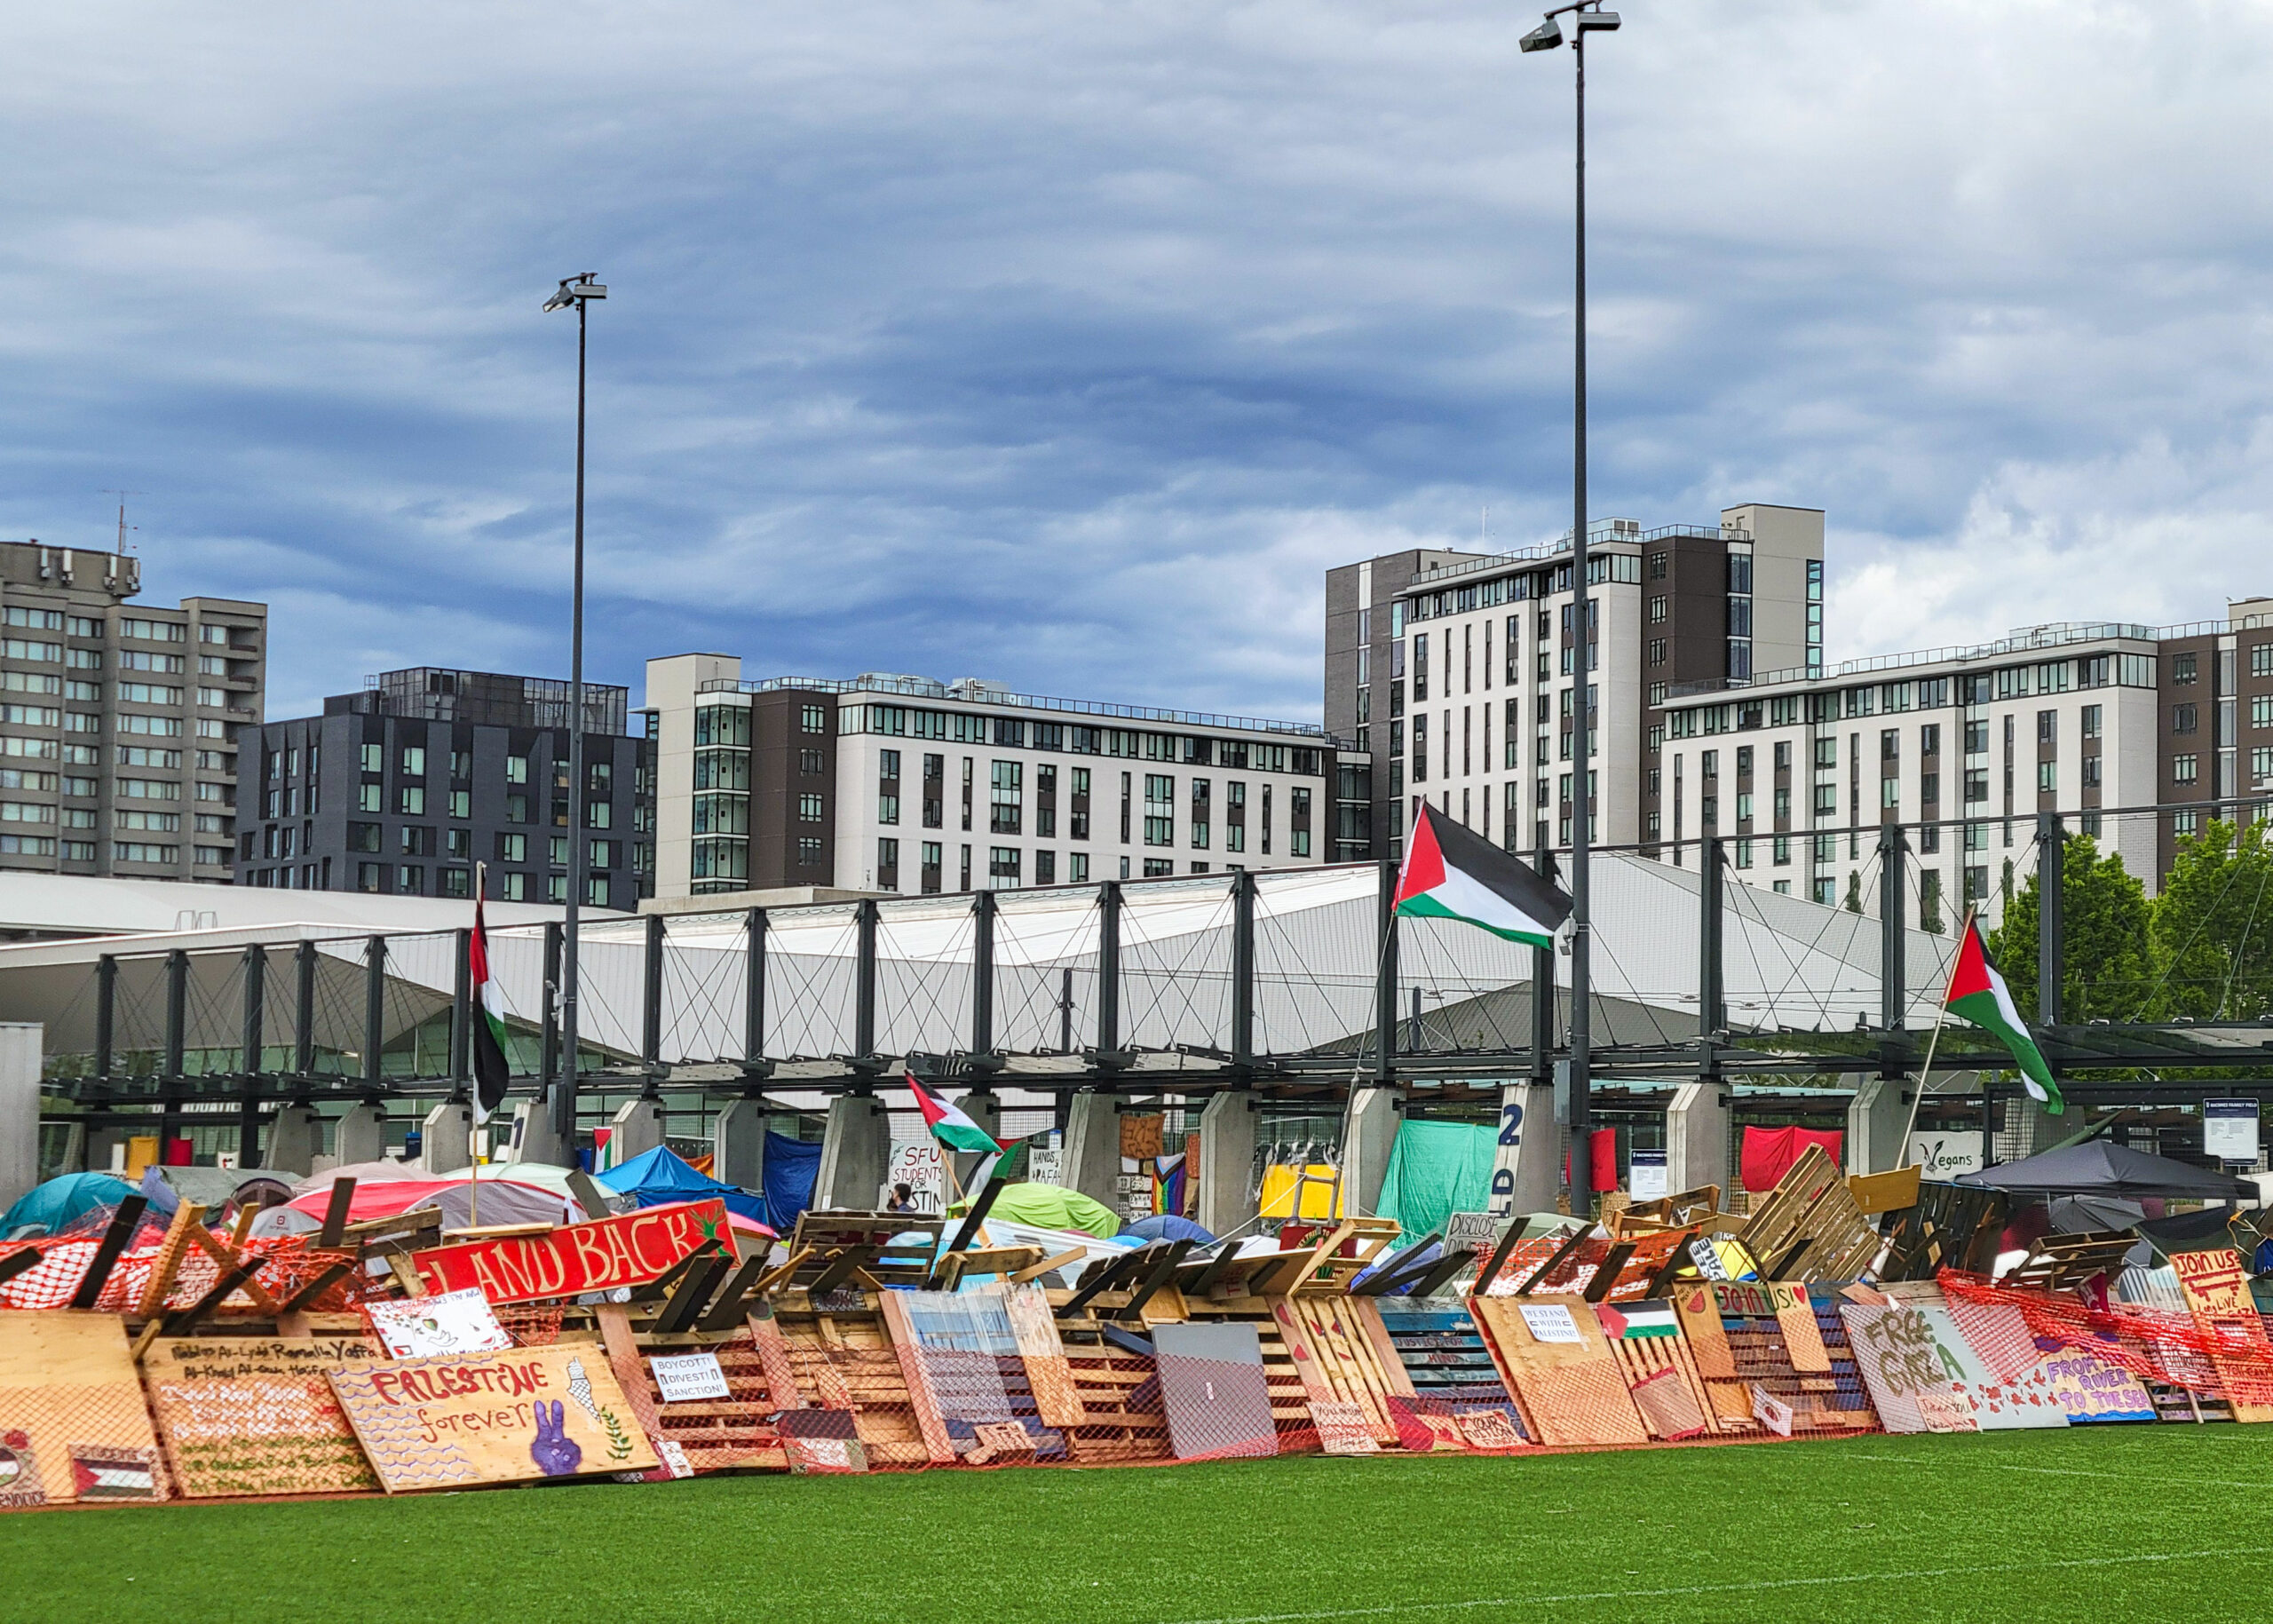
(72, 1421)
(629, 1250)
(422, 1327)
(256, 1414)
(2217, 1293)
(1999, 1405)
(509, 1417)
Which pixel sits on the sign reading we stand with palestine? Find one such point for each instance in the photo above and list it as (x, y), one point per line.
(629, 1250)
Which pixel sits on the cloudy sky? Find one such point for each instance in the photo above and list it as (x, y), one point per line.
(1067, 345)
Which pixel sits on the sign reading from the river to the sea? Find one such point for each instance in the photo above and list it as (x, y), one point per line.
(630, 1250)
(255, 1415)
(524, 1413)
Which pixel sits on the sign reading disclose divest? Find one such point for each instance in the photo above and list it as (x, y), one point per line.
(630, 1250)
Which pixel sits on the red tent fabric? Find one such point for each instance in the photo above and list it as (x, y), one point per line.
(1769, 1153)
(1604, 1147)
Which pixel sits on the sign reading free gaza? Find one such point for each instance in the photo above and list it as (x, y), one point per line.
(630, 1250)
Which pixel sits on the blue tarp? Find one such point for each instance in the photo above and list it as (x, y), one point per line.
(59, 1200)
(791, 1166)
(661, 1176)
(1168, 1226)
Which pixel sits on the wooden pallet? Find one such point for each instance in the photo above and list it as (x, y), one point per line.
(841, 1356)
(1449, 1366)
(732, 1434)
(1809, 1227)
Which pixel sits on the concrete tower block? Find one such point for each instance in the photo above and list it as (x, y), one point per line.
(360, 1134)
(295, 1139)
(532, 1140)
(639, 1128)
(855, 1154)
(1226, 1162)
(20, 1056)
(1093, 1147)
(1876, 1118)
(1374, 1122)
(1527, 1167)
(738, 1143)
(445, 1138)
(1696, 1137)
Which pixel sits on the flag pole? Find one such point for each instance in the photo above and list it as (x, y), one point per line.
(1940, 1015)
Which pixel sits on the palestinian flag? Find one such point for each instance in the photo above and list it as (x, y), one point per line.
(1978, 994)
(948, 1124)
(1635, 1321)
(1453, 873)
(491, 1071)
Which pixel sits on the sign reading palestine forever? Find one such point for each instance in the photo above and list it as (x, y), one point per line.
(630, 1250)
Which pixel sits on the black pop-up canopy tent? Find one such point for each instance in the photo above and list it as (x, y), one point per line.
(2098, 1168)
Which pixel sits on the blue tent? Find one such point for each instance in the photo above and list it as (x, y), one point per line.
(59, 1200)
(660, 1177)
(1168, 1226)
(791, 1167)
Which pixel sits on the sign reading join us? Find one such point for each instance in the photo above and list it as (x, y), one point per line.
(630, 1250)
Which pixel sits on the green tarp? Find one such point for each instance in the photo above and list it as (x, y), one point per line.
(1436, 1169)
(1049, 1206)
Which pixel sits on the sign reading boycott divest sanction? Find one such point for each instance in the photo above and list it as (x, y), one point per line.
(630, 1250)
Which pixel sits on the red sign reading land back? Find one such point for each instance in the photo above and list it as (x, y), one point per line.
(630, 1250)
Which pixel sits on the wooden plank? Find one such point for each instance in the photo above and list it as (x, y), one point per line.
(928, 1419)
(255, 1415)
(1880, 1192)
(1571, 1392)
(335, 1214)
(68, 1385)
(1701, 1323)
(458, 1420)
(123, 1223)
(187, 1218)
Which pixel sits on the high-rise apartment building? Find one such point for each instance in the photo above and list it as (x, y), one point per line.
(2133, 735)
(402, 788)
(904, 784)
(118, 720)
(1461, 673)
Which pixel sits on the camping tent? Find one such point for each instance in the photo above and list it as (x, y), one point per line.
(49, 1207)
(1051, 1206)
(2099, 1166)
(659, 1177)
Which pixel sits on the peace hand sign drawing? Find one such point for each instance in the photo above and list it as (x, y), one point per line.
(556, 1454)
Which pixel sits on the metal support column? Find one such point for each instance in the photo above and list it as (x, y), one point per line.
(864, 985)
(651, 1005)
(2051, 922)
(1109, 966)
(1065, 1010)
(982, 972)
(1542, 986)
(1385, 982)
(1894, 890)
(255, 1039)
(1712, 1001)
(753, 990)
(375, 1007)
(462, 1017)
(106, 1014)
(1242, 970)
(303, 1009)
(549, 1045)
(169, 1077)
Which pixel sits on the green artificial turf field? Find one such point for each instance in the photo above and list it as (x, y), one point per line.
(2124, 1523)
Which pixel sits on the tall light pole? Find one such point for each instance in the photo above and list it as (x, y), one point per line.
(1586, 17)
(578, 292)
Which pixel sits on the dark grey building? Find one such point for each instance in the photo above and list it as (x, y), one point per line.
(401, 788)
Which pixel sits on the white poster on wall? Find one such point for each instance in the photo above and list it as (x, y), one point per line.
(1943, 1156)
(917, 1166)
(1046, 1165)
(2230, 1130)
(1646, 1175)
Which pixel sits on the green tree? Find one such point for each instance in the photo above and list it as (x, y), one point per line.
(2107, 953)
(2213, 927)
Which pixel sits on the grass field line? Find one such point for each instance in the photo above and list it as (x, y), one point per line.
(2061, 1471)
(1391, 1608)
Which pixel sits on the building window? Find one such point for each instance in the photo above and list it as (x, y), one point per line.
(514, 888)
(808, 852)
(1006, 787)
(1160, 809)
(412, 801)
(809, 809)
(410, 879)
(813, 719)
(1003, 870)
(2183, 669)
(2182, 719)
(1157, 868)
(930, 878)
(372, 798)
(512, 848)
(2184, 769)
(457, 882)
(888, 865)
(371, 876)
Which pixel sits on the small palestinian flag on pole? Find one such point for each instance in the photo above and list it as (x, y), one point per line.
(1453, 873)
(491, 1071)
(1978, 994)
(948, 1124)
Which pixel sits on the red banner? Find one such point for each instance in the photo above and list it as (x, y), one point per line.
(630, 1250)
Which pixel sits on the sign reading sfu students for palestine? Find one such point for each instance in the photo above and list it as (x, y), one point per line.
(630, 1250)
